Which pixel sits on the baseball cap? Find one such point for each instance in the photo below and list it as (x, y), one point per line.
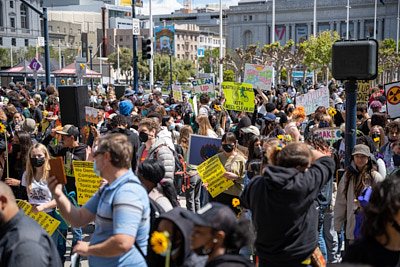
(69, 129)
(111, 115)
(338, 101)
(361, 150)
(270, 117)
(11, 85)
(129, 92)
(251, 129)
(215, 215)
(29, 125)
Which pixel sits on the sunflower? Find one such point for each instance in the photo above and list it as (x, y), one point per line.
(45, 113)
(216, 107)
(235, 202)
(2, 128)
(159, 241)
(288, 138)
(376, 139)
(280, 137)
(331, 111)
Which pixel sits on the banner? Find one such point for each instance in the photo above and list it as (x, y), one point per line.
(177, 92)
(363, 91)
(202, 148)
(138, 3)
(91, 115)
(329, 134)
(164, 41)
(87, 182)
(392, 93)
(280, 34)
(48, 223)
(239, 96)
(211, 172)
(312, 100)
(259, 76)
(204, 85)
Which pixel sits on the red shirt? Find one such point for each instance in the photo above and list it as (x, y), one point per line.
(144, 155)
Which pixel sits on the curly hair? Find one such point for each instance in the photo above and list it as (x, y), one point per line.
(184, 134)
(316, 141)
(384, 205)
(299, 113)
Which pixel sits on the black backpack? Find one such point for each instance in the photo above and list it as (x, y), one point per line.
(180, 166)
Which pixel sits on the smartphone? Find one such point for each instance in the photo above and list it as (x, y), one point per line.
(57, 169)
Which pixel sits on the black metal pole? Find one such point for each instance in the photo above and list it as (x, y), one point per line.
(91, 67)
(170, 69)
(135, 57)
(351, 112)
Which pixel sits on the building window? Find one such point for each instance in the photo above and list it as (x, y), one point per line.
(1, 40)
(121, 39)
(195, 47)
(70, 30)
(26, 42)
(244, 18)
(13, 42)
(250, 18)
(50, 28)
(24, 17)
(191, 47)
(201, 39)
(195, 38)
(177, 47)
(178, 56)
(65, 30)
(1, 13)
(58, 29)
(12, 22)
(11, 4)
(79, 31)
(127, 38)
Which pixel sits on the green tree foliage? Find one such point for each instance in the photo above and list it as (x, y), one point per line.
(181, 69)
(229, 76)
(205, 63)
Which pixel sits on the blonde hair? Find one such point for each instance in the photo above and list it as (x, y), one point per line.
(30, 172)
(204, 124)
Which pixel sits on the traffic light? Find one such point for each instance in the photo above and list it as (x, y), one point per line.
(146, 48)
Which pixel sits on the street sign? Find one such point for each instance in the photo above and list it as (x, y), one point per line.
(200, 52)
(135, 27)
(35, 64)
(80, 66)
(40, 41)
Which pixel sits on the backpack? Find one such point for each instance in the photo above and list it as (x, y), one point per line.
(180, 166)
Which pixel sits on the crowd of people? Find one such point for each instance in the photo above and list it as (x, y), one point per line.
(292, 202)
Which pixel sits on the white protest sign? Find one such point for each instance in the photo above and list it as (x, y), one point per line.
(260, 76)
(392, 93)
(312, 100)
(177, 92)
(204, 85)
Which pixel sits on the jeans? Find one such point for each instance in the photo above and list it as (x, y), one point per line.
(193, 193)
(331, 238)
(76, 236)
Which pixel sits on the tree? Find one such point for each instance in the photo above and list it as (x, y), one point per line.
(125, 61)
(229, 76)
(294, 59)
(244, 56)
(209, 55)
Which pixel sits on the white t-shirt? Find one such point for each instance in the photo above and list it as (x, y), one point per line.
(39, 194)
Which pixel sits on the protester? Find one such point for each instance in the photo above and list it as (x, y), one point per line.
(121, 208)
(23, 242)
(205, 128)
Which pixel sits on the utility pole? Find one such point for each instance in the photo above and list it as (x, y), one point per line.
(135, 57)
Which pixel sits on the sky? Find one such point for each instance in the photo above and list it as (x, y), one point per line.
(168, 6)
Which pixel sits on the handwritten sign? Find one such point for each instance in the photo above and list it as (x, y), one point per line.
(48, 223)
(177, 92)
(392, 93)
(204, 85)
(87, 182)
(260, 76)
(239, 96)
(91, 115)
(363, 91)
(211, 172)
(329, 134)
(312, 100)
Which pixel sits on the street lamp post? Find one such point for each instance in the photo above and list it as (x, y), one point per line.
(91, 63)
(170, 69)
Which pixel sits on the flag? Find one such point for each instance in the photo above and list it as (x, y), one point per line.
(383, 2)
(79, 48)
(119, 50)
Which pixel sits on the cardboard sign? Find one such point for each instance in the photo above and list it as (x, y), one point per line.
(204, 85)
(363, 91)
(239, 96)
(87, 182)
(91, 115)
(211, 172)
(260, 76)
(392, 93)
(329, 134)
(177, 92)
(202, 148)
(48, 223)
(312, 100)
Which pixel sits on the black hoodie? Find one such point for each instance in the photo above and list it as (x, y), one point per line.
(284, 211)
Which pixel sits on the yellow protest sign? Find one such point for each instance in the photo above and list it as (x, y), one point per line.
(239, 96)
(48, 223)
(363, 91)
(211, 172)
(87, 182)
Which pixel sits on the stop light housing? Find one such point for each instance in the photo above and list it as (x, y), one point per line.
(146, 48)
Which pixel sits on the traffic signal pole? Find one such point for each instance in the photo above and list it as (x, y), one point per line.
(135, 57)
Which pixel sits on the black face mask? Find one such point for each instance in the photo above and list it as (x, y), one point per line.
(392, 140)
(250, 174)
(375, 135)
(16, 148)
(213, 123)
(109, 127)
(143, 137)
(360, 117)
(136, 127)
(290, 110)
(201, 251)
(258, 152)
(228, 148)
(37, 162)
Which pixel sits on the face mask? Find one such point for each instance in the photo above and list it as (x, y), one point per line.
(250, 174)
(37, 162)
(360, 117)
(136, 127)
(95, 170)
(201, 251)
(109, 127)
(339, 107)
(375, 135)
(144, 112)
(258, 151)
(143, 137)
(172, 126)
(290, 110)
(140, 97)
(239, 119)
(392, 140)
(213, 123)
(16, 148)
(173, 252)
(228, 148)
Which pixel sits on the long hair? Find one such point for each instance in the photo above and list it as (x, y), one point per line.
(183, 139)
(30, 170)
(360, 179)
(204, 124)
(383, 206)
(253, 140)
(25, 144)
